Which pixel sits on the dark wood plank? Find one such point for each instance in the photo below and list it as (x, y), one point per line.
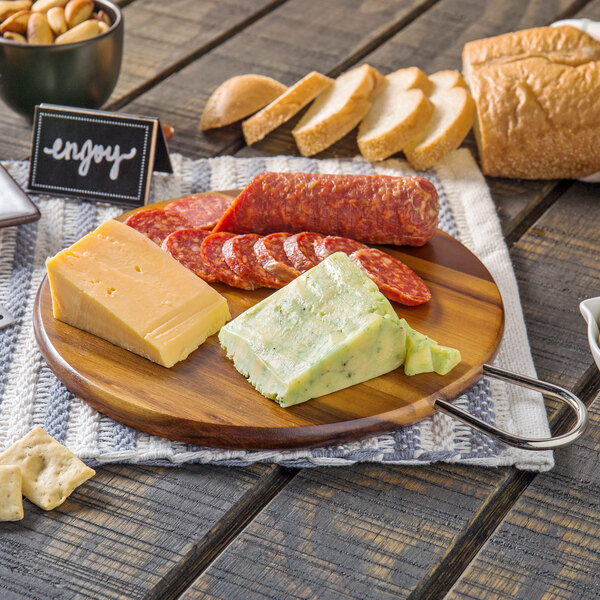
(299, 36)
(361, 532)
(549, 544)
(557, 267)
(129, 532)
(159, 38)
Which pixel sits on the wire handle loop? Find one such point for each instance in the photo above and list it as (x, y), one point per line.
(547, 389)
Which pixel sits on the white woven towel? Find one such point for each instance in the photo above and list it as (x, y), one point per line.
(31, 395)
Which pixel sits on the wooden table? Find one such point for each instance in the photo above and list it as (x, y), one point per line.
(366, 531)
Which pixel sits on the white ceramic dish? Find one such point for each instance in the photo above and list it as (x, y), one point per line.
(590, 309)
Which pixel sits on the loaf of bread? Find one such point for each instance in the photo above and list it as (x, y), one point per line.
(338, 110)
(537, 93)
(239, 97)
(284, 107)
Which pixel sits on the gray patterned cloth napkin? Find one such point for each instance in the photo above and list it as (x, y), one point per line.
(31, 395)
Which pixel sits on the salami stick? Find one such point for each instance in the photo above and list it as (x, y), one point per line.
(375, 209)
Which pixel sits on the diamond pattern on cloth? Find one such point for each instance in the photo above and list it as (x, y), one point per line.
(31, 395)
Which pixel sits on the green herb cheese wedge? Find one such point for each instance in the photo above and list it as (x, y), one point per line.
(424, 355)
(326, 330)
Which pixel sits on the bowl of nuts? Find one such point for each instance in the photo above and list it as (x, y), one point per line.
(59, 51)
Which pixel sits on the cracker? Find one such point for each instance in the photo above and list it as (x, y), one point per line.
(49, 471)
(11, 497)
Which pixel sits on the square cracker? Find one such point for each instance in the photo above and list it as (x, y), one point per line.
(11, 497)
(50, 472)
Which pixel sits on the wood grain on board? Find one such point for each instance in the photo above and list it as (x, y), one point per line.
(204, 400)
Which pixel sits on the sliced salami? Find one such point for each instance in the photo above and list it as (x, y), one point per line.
(211, 253)
(300, 249)
(238, 253)
(332, 244)
(272, 257)
(184, 246)
(201, 210)
(395, 280)
(157, 224)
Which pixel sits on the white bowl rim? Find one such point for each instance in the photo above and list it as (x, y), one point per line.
(590, 310)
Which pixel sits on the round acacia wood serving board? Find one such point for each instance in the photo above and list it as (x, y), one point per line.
(204, 400)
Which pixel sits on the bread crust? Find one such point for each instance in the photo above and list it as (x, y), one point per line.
(239, 97)
(537, 94)
(284, 107)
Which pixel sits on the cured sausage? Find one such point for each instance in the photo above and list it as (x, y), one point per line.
(202, 211)
(211, 253)
(395, 280)
(332, 244)
(157, 224)
(300, 249)
(272, 257)
(239, 255)
(184, 246)
(376, 209)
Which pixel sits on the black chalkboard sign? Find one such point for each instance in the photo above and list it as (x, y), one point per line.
(96, 155)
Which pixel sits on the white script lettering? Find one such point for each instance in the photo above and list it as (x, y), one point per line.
(90, 152)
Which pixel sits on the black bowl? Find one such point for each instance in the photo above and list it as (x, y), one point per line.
(82, 74)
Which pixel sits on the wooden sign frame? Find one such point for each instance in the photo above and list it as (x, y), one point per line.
(96, 155)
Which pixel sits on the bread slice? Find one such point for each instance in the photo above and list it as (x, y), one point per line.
(453, 114)
(444, 80)
(282, 109)
(237, 98)
(337, 110)
(397, 114)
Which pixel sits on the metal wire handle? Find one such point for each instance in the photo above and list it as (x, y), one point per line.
(548, 389)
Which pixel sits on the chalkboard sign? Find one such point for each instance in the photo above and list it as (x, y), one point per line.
(96, 155)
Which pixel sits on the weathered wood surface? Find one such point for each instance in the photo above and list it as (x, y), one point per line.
(361, 532)
(298, 37)
(151, 532)
(159, 38)
(130, 532)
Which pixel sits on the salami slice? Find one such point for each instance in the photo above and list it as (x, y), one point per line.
(332, 244)
(211, 253)
(375, 209)
(300, 249)
(201, 210)
(238, 253)
(184, 246)
(157, 224)
(395, 280)
(272, 257)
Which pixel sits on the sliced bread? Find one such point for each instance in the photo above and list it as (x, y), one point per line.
(397, 114)
(282, 109)
(453, 114)
(238, 98)
(337, 110)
